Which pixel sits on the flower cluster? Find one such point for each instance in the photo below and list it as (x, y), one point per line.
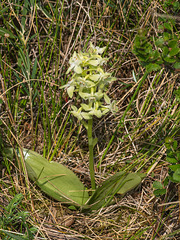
(90, 82)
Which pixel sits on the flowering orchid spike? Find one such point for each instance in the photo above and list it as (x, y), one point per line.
(90, 83)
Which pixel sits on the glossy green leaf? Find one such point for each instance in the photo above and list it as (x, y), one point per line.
(177, 65)
(53, 178)
(153, 67)
(173, 43)
(158, 185)
(131, 181)
(174, 167)
(171, 159)
(104, 194)
(159, 192)
(176, 175)
(168, 26)
(169, 59)
(174, 51)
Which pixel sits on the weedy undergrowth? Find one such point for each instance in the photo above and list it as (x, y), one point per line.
(13, 219)
(155, 53)
(52, 30)
(159, 51)
(173, 159)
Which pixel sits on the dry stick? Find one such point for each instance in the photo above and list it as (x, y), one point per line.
(123, 117)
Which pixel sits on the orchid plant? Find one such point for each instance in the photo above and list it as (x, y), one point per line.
(90, 82)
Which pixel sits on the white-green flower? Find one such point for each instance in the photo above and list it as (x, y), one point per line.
(77, 112)
(75, 62)
(95, 61)
(96, 112)
(110, 107)
(97, 49)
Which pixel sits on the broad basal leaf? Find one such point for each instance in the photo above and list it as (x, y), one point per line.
(53, 178)
(119, 183)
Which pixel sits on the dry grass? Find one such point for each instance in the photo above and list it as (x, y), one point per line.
(138, 145)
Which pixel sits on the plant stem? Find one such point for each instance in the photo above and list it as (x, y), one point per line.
(91, 157)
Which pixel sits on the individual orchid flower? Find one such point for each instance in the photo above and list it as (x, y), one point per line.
(96, 112)
(97, 49)
(110, 107)
(77, 112)
(95, 61)
(75, 62)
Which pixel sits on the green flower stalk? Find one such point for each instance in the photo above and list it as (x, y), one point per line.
(90, 82)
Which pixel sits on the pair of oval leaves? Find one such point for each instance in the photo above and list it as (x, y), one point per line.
(61, 184)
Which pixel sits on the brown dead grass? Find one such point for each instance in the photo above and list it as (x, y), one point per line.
(138, 215)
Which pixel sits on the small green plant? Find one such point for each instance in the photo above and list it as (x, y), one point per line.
(175, 5)
(12, 220)
(158, 51)
(155, 53)
(173, 158)
(177, 94)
